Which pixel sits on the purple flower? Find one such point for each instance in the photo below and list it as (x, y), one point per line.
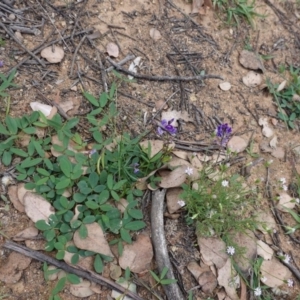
(223, 132)
(1, 63)
(135, 168)
(166, 126)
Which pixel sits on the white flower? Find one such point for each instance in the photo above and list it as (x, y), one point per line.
(287, 259)
(214, 196)
(230, 250)
(285, 188)
(290, 282)
(257, 291)
(297, 200)
(181, 203)
(189, 171)
(282, 180)
(263, 279)
(225, 183)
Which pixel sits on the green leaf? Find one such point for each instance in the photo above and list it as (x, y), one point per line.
(42, 181)
(125, 236)
(21, 177)
(167, 281)
(29, 186)
(115, 195)
(93, 179)
(163, 272)
(43, 172)
(154, 276)
(120, 248)
(127, 274)
(83, 233)
(59, 246)
(6, 158)
(75, 224)
(59, 286)
(42, 225)
(11, 124)
(97, 135)
(135, 213)
(75, 259)
(294, 214)
(119, 184)
(38, 148)
(60, 254)
(112, 90)
(3, 130)
(72, 249)
(103, 99)
(79, 198)
(92, 204)
(71, 123)
(98, 264)
(19, 152)
(29, 130)
(135, 225)
(110, 181)
(104, 196)
(91, 98)
(89, 219)
(63, 184)
(72, 278)
(66, 166)
(49, 235)
(31, 162)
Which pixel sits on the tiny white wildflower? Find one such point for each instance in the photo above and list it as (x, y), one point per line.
(285, 188)
(225, 183)
(282, 180)
(287, 258)
(290, 282)
(263, 279)
(297, 200)
(214, 196)
(189, 171)
(181, 203)
(230, 250)
(257, 291)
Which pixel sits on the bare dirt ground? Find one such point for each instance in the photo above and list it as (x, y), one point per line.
(187, 46)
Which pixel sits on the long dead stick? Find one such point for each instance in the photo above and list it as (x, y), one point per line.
(162, 78)
(89, 275)
(160, 244)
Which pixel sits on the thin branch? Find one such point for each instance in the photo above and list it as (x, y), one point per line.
(21, 45)
(160, 245)
(89, 275)
(162, 78)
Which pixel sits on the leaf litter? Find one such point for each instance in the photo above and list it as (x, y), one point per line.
(191, 120)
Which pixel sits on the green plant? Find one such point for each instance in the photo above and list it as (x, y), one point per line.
(237, 9)
(71, 278)
(83, 186)
(289, 107)
(160, 279)
(220, 206)
(6, 82)
(250, 151)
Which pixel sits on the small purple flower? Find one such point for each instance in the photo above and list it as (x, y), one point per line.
(223, 132)
(93, 151)
(1, 63)
(135, 168)
(166, 126)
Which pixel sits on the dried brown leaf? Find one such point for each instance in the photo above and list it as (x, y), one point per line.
(138, 255)
(36, 207)
(95, 241)
(175, 178)
(53, 54)
(274, 272)
(250, 60)
(13, 197)
(112, 49)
